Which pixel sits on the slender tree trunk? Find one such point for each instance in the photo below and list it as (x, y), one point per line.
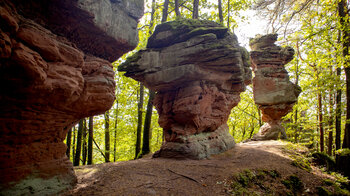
(177, 9)
(147, 134)
(296, 109)
(74, 139)
(79, 138)
(330, 125)
(115, 132)
(90, 142)
(84, 142)
(338, 112)
(221, 18)
(344, 21)
(195, 9)
(68, 142)
(259, 115)
(228, 14)
(296, 135)
(165, 11)
(139, 123)
(151, 23)
(320, 119)
(107, 137)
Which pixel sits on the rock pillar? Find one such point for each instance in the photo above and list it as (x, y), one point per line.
(198, 70)
(273, 92)
(54, 70)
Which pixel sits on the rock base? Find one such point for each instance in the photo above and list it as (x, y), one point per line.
(198, 146)
(268, 132)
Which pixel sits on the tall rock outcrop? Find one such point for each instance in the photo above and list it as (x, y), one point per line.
(273, 92)
(54, 70)
(198, 70)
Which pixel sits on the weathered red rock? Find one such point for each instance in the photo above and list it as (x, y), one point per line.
(198, 70)
(48, 82)
(273, 91)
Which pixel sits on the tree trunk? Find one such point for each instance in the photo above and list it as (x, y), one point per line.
(147, 134)
(84, 142)
(320, 119)
(139, 123)
(177, 9)
(107, 137)
(228, 14)
(165, 11)
(91, 136)
(259, 115)
(78, 148)
(296, 134)
(115, 132)
(344, 21)
(330, 125)
(74, 139)
(195, 9)
(338, 112)
(68, 142)
(221, 18)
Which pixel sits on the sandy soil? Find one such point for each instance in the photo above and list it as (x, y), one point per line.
(159, 176)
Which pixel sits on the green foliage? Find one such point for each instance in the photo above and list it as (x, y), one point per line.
(253, 182)
(299, 155)
(323, 159)
(294, 184)
(343, 152)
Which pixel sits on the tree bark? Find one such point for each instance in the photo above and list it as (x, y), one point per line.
(165, 11)
(68, 142)
(147, 134)
(78, 148)
(90, 142)
(74, 141)
(338, 112)
(139, 123)
(221, 18)
(330, 125)
(177, 9)
(115, 132)
(195, 9)
(320, 123)
(344, 21)
(107, 137)
(228, 14)
(84, 142)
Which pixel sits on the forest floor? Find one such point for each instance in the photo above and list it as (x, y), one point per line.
(252, 168)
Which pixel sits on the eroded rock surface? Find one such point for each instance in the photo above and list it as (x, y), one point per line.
(53, 72)
(273, 91)
(198, 70)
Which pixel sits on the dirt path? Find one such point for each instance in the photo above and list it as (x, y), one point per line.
(187, 177)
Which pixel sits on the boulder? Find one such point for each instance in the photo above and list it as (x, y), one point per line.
(198, 70)
(55, 68)
(273, 92)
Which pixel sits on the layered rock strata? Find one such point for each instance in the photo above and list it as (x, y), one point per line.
(54, 70)
(198, 70)
(273, 92)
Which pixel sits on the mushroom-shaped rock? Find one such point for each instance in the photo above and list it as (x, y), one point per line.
(273, 92)
(50, 78)
(198, 70)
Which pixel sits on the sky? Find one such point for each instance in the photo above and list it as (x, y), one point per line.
(249, 28)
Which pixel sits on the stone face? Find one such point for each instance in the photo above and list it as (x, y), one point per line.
(50, 78)
(198, 70)
(273, 91)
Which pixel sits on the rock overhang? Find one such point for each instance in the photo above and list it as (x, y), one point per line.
(198, 70)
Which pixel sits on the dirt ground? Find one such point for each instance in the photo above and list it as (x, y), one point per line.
(160, 176)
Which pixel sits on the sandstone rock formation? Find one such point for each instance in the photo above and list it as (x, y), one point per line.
(53, 72)
(273, 91)
(198, 70)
